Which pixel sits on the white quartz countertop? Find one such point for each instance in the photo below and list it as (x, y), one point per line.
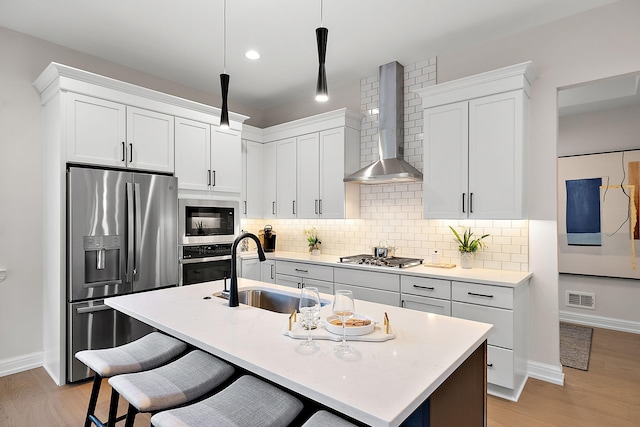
(476, 275)
(382, 387)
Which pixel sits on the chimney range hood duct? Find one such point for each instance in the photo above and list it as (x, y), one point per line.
(391, 167)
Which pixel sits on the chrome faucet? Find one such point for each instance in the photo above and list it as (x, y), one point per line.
(233, 289)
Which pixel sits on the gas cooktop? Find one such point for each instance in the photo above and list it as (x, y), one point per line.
(393, 262)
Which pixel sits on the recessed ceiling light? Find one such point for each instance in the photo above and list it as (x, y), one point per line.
(252, 54)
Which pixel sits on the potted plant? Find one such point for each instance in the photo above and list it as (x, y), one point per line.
(313, 240)
(468, 246)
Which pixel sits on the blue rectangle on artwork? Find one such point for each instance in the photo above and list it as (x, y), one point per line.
(583, 211)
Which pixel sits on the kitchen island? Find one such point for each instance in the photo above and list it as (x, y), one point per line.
(434, 368)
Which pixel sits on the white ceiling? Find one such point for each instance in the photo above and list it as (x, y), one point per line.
(181, 40)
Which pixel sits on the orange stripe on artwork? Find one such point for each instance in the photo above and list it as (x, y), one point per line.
(634, 179)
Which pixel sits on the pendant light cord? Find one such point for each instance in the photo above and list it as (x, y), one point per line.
(321, 11)
(224, 36)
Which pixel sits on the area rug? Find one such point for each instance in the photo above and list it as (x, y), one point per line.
(575, 346)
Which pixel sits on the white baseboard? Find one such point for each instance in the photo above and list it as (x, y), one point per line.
(550, 373)
(600, 322)
(21, 363)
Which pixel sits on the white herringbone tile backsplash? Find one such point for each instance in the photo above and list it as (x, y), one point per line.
(393, 212)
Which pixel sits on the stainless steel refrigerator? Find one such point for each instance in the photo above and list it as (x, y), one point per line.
(121, 238)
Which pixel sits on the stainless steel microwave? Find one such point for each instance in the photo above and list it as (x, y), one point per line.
(202, 222)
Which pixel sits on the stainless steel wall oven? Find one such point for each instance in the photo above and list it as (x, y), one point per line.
(204, 263)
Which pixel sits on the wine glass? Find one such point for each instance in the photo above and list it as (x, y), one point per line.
(309, 308)
(343, 309)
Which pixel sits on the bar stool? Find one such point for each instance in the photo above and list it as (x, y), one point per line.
(247, 402)
(147, 352)
(326, 419)
(170, 385)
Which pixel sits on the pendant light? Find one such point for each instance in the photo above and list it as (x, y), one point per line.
(322, 92)
(224, 77)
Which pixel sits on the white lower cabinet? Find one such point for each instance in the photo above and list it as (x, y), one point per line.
(300, 275)
(506, 308)
(383, 288)
(268, 271)
(429, 305)
(426, 294)
(252, 268)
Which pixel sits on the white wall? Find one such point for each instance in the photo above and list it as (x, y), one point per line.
(616, 299)
(597, 44)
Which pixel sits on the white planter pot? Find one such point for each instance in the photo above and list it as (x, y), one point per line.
(466, 259)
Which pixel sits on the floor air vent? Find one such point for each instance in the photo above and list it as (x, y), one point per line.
(581, 300)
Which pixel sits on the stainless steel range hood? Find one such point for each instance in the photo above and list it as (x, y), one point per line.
(391, 167)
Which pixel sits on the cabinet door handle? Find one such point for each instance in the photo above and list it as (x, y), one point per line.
(208, 177)
(479, 295)
(130, 152)
(470, 202)
(271, 268)
(294, 207)
(124, 151)
(429, 288)
(273, 208)
(213, 179)
(316, 206)
(245, 207)
(489, 365)
(402, 304)
(320, 206)
(463, 211)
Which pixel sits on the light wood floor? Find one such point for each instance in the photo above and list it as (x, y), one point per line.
(607, 395)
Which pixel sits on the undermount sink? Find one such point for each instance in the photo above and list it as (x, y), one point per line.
(269, 299)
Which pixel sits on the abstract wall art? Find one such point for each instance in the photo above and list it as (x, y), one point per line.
(598, 214)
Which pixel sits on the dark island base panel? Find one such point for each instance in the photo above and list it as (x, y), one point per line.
(461, 400)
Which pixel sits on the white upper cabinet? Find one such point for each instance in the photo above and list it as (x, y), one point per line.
(252, 167)
(207, 159)
(106, 133)
(286, 203)
(226, 163)
(193, 145)
(269, 186)
(312, 157)
(474, 145)
(96, 131)
(308, 179)
(322, 192)
(150, 140)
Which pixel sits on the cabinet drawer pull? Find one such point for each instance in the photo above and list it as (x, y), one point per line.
(479, 295)
(429, 288)
(301, 271)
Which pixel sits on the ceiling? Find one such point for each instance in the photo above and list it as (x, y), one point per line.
(615, 92)
(183, 40)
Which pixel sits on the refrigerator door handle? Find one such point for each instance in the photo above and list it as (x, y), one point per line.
(130, 231)
(138, 215)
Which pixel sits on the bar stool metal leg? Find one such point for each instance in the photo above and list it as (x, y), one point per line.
(95, 389)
